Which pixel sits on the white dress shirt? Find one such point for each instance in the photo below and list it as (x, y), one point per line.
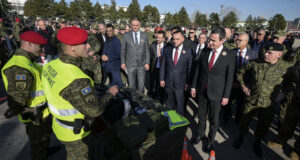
(218, 52)
(179, 52)
(199, 46)
(138, 36)
(161, 46)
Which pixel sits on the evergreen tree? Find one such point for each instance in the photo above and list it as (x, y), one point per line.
(122, 15)
(277, 22)
(113, 17)
(98, 12)
(183, 17)
(5, 7)
(200, 19)
(86, 9)
(230, 20)
(214, 20)
(62, 9)
(134, 10)
(150, 15)
(249, 22)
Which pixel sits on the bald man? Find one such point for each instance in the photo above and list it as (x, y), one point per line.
(243, 55)
(47, 33)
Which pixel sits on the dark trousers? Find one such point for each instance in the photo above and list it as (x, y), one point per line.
(265, 117)
(289, 125)
(212, 109)
(39, 138)
(175, 99)
(104, 74)
(115, 78)
(156, 91)
(236, 96)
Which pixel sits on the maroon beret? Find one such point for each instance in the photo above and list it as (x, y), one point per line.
(158, 29)
(33, 37)
(18, 20)
(1, 19)
(72, 35)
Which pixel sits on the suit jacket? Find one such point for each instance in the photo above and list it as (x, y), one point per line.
(176, 76)
(264, 44)
(135, 55)
(100, 38)
(205, 49)
(112, 49)
(153, 55)
(219, 79)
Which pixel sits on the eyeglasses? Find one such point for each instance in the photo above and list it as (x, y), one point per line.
(260, 34)
(192, 32)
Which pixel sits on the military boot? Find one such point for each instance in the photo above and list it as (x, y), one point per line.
(238, 142)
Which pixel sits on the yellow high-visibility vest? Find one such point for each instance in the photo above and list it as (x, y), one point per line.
(56, 77)
(37, 98)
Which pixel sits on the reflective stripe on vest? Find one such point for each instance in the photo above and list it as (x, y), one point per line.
(174, 116)
(63, 125)
(63, 112)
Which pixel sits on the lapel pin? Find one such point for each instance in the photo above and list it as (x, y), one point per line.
(224, 53)
(247, 57)
(183, 51)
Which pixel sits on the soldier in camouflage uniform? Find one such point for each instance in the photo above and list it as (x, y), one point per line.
(291, 83)
(151, 36)
(54, 40)
(80, 93)
(17, 28)
(229, 42)
(120, 36)
(260, 80)
(91, 65)
(20, 85)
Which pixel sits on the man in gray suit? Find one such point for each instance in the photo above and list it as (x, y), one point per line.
(135, 55)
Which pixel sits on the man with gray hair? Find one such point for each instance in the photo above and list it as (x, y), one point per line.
(135, 55)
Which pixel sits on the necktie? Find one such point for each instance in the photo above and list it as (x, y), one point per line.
(240, 59)
(136, 39)
(212, 59)
(176, 57)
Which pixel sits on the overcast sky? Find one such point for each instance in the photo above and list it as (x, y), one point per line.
(290, 9)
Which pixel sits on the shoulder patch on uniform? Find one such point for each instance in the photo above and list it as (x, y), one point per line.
(21, 77)
(86, 90)
(90, 99)
(21, 85)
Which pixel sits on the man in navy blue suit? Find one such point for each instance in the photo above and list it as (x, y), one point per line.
(174, 72)
(112, 57)
(243, 56)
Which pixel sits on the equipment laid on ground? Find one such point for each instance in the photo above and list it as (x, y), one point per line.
(149, 132)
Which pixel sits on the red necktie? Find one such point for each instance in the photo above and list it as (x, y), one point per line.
(240, 59)
(212, 59)
(176, 57)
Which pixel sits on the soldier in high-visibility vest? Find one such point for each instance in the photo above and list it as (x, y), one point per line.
(71, 96)
(22, 79)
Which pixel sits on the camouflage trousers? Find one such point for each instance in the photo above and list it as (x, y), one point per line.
(81, 149)
(39, 138)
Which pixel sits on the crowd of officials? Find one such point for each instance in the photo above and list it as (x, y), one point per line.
(256, 70)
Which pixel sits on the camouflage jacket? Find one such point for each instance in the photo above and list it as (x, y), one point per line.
(3, 31)
(120, 36)
(230, 44)
(94, 43)
(17, 28)
(291, 83)
(92, 67)
(17, 94)
(151, 37)
(263, 80)
(87, 104)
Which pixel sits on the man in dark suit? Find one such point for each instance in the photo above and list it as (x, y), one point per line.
(200, 46)
(213, 79)
(135, 55)
(156, 53)
(174, 72)
(243, 55)
(102, 38)
(260, 43)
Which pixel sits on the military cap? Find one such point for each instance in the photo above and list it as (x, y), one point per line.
(62, 20)
(122, 27)
(72, 35)
(280, 33)
(275, 47)
(18, 20)
(33, 37)
(86, 27)
(241, 31)
(158, 29)
(95, 27)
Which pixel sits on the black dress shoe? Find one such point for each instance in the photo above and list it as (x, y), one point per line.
(257, 148)
(196, 139)
(238, 142)
(53, 150)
